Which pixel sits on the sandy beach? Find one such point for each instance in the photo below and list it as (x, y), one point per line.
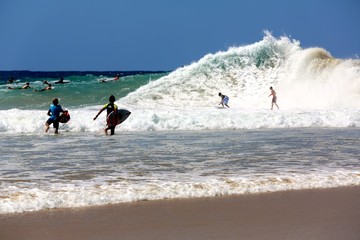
(308, 214)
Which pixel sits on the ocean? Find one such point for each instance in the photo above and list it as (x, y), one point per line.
(179, 142)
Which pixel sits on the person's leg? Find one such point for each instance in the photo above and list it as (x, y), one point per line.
(56, 126)
(47, 125)
(272, 103)
(226, 102)
(112, 130)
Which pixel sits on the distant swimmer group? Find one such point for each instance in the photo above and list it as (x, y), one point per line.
(27, 85)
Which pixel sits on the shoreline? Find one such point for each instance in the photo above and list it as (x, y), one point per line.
(331, 213)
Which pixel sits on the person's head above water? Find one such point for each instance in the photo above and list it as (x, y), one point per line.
(55, 101)
(112, 99)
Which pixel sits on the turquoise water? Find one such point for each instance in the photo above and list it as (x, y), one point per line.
(81, 91)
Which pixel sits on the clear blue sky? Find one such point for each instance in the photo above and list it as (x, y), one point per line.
(56, 35)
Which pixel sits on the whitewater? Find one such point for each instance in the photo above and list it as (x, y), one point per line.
(179, 142)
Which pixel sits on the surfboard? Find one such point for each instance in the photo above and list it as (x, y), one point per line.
(58, 82)
(115, 119)
(64, 117)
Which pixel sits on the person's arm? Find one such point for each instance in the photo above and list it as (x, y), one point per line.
(48, 113)
(273, 93)
(99, 113)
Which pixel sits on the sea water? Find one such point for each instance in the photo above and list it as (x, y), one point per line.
(178, 142)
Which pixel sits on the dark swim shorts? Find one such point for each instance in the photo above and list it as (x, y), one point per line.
(54, 122)
(274, 99)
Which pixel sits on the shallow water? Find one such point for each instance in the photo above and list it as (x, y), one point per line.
(71, 170)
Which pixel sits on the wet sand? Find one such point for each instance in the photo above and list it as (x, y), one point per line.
(309, 214)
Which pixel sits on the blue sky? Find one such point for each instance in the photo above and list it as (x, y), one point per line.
(57, 35)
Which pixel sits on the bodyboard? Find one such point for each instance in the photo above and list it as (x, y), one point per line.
(64, 117)
(115, 119)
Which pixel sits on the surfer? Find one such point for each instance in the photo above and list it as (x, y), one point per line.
(274, 99)
(61, 81)
(11, 80)
(48, 87)
(26, 86)
(224, 100)
(46, 82)
(117, 77)
(54, 113)
(110, 107)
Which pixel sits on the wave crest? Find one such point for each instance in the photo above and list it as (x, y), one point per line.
(245, 73)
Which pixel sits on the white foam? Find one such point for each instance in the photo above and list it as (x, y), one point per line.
(162, 119)
(100, 192)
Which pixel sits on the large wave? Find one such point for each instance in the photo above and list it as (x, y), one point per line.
(303, 78)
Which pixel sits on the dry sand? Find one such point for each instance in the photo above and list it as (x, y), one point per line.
(311, 214)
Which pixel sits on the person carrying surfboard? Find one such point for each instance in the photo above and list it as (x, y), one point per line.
(54, 113)
(110, 107)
